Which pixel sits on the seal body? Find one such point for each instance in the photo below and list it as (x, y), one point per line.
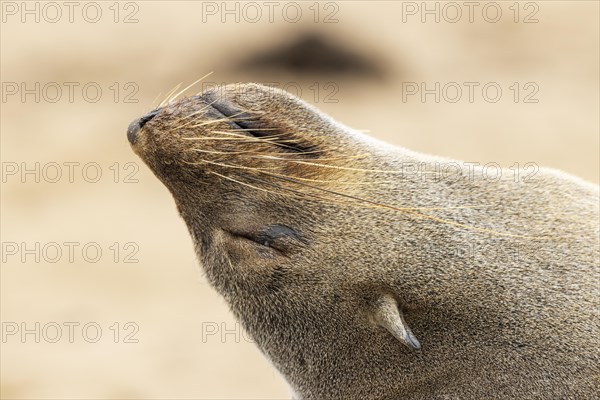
(367, 271)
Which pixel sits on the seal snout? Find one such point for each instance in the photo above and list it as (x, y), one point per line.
(138, 124)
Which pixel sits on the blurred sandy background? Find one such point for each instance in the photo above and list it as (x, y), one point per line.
(354, 69)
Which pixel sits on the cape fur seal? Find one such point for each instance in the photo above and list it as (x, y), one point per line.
(362, 272)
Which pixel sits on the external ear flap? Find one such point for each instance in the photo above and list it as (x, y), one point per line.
(389, 316)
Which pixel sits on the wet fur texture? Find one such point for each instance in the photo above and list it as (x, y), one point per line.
(498, 280)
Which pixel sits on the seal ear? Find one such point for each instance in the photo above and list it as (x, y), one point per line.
(389, 316)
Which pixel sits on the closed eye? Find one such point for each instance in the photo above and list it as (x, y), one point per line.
(278, 237)
(271, 233)
(249, 125)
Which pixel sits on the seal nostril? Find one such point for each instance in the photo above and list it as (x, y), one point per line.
(147, 117)
(138, 124)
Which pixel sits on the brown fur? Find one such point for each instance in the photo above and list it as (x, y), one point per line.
(327, 257)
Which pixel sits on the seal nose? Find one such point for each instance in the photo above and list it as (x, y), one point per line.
(132, 131)
(138, 124)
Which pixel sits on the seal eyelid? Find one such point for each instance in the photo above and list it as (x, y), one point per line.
(251, 125)
(290, 143)
(277, 237)
(237, 117)
(271, 233)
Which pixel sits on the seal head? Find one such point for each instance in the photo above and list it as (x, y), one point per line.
(337, 252)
